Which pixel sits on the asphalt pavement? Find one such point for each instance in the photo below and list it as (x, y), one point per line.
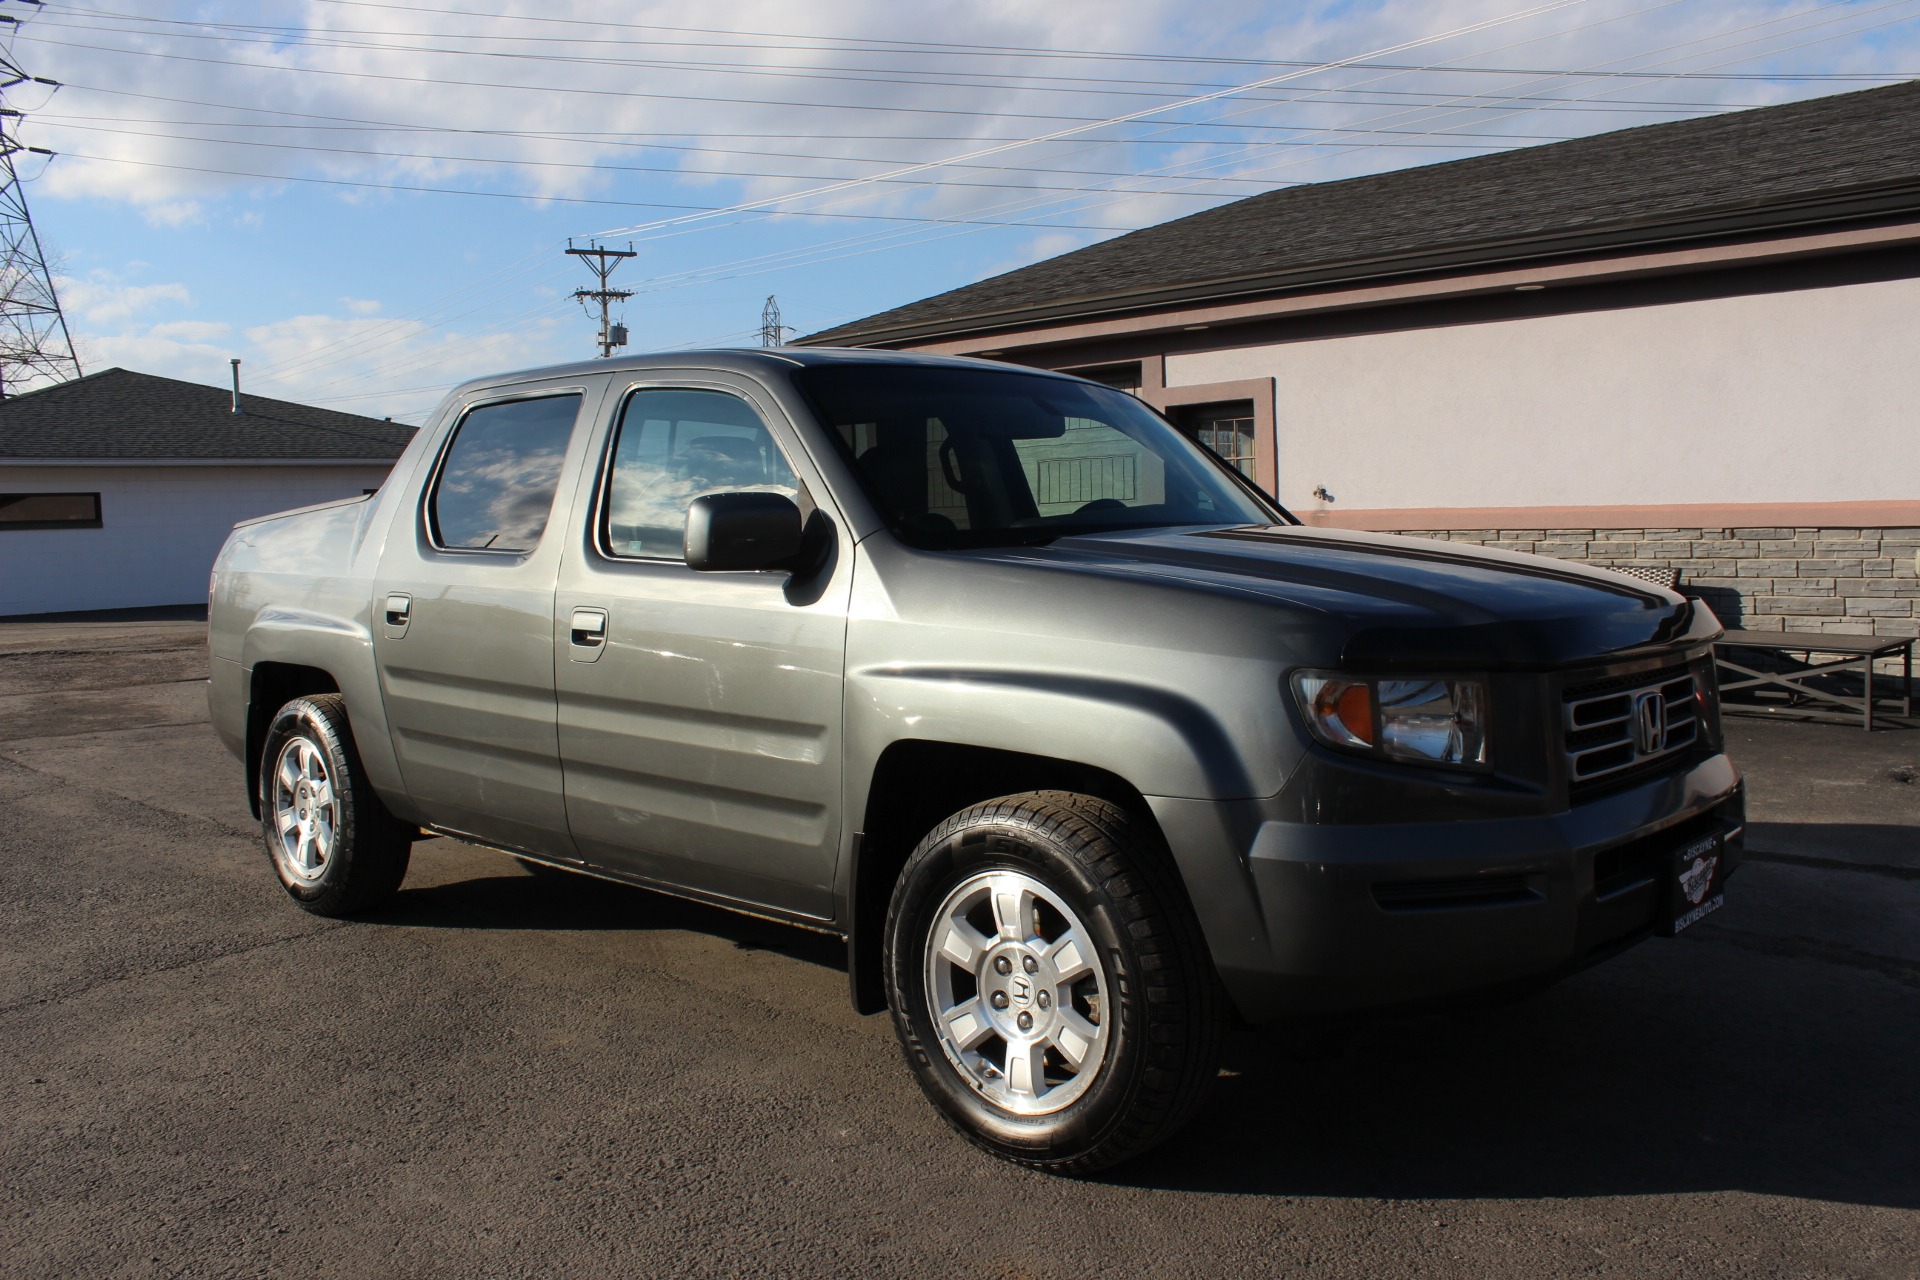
(504, 1075)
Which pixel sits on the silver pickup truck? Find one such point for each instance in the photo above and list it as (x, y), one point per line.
(1084, 745)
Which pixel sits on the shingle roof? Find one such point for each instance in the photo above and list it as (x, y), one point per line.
(1741, 169)
(118, 413)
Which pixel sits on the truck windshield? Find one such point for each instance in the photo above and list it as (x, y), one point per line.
(956, 457)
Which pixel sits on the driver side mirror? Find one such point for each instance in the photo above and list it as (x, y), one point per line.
(729, 532)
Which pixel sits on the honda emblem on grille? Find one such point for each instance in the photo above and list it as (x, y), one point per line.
(1649, 721)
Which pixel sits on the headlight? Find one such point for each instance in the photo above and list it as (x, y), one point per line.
(1423, 721)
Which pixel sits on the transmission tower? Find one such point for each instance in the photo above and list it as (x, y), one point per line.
(771, 330)
(34, 342)
(602, 262)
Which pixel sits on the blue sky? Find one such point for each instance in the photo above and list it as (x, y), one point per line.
(368, 202)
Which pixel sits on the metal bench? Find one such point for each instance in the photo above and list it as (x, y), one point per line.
(1845, 653)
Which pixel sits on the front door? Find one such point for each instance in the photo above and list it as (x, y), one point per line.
(700, 712)
(463, 618)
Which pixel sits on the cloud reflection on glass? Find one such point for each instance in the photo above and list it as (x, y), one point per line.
(496, 486)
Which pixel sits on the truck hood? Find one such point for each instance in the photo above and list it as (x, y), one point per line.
(1406, 602)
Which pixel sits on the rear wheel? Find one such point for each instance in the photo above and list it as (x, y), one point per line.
(1049, 982)
(333, 844)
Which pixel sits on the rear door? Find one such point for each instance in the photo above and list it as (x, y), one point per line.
(463, 616)
(700, 713)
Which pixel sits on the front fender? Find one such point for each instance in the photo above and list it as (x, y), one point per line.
(1160, 740)
(1182, 758)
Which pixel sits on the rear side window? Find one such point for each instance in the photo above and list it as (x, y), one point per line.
(497, 481)
(674, 446)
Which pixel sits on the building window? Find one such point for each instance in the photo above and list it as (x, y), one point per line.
(1121, 377)
(1226, 429)
(498, 478)
(49, 511)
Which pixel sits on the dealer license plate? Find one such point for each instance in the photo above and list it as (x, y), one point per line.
(1695, 882)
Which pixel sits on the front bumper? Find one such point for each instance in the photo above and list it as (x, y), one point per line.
(1319, 920)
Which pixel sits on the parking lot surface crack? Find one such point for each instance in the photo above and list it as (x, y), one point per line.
(202, 958)
(1835, 864)
(1799, 947)
(12, 757)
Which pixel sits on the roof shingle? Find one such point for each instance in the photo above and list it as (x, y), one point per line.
(118, 413)
(1635, 183)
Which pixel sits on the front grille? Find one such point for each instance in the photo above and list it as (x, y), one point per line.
(1641, 862)
(1623, 728)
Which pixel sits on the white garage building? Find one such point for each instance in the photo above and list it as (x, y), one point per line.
(117, 489)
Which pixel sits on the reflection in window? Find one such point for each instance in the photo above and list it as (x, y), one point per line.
(973, 457)
(673, 447)
(1091, 462)
(496, 486)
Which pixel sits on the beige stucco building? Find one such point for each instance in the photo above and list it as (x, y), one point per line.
(1689, 345)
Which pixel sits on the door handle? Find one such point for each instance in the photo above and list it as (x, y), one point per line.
(589, 627)
(399, 609)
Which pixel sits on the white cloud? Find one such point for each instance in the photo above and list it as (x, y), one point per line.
(149, 352)
(899, 108)
(190, 330)
(101, 298)
(382, 367)
(629, 85)
(173, 213)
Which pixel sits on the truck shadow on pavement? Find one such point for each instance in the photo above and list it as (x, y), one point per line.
(1682, 1067)
(575, 902)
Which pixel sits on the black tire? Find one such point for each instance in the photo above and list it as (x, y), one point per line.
(365, 849)
(1163, 1015)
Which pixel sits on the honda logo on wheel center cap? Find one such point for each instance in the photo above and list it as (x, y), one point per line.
(1022, 990)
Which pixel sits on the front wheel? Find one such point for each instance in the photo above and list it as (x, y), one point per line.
(334, 845)
(1049, 983)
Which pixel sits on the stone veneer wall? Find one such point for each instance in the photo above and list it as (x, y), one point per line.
(1856, 581)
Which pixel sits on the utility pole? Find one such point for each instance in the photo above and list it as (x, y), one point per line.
(34, 342)
(602, 262)
(771, 330)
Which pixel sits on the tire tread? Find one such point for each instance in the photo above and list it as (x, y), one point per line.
(1189, 1008)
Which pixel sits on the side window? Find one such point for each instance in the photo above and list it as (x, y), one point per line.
(672, 447)
(496, 485)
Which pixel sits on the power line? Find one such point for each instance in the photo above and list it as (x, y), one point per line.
(1027, 222)
(550, 199)
(736, 100)
(921, 226)
(787, 41)
(1022, 81)
(1056, 134)
(596, 167)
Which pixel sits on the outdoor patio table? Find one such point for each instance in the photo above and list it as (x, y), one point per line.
(1844, 653)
